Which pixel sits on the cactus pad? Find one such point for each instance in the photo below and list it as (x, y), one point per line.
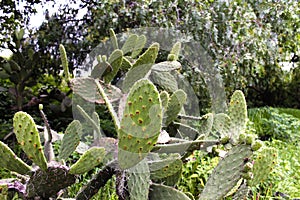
(115, 61)
(222, 124)
(174, 53)
(164, 96)
(113, 38)
(227, 173)
(166, 66)
(10, 161)
(29, 139)
(264, 162)
(139, 45)
(70, 140)
(175, 104)
(140, 125)
(138, 181)
(166, 170)
(158, 191)
(237, 112)
(141, 67)
(129, 44)
(90, 159)
(165, 80)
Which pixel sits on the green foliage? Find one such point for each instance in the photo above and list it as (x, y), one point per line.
(270, 123)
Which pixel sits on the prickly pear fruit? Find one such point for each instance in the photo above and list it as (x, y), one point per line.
(264, 162)
(237, 112)
(227, 173)
(10, 161)
(138, 181)
(158, 191)
(90, 159)
(29, 139)
(71, 139)
(140, 125)
(175, 104)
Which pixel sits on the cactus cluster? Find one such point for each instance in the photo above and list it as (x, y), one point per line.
(46, 178)
(145, 158)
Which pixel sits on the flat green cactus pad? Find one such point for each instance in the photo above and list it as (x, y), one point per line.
(115, 61)
(177, 99)
(141, 67)
(237, 112)
(227, 173)
(165, 80)
(29, 139)
(264, 162)
(166, 170)
(140, 125)
(158, 192)
(129, 44)
(139, 45)
(70, 140)
(10, 161)
(90, 159)
(222, 124)
(138, 181)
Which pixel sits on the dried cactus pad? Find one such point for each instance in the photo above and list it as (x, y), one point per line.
(29, 139)
(140, 125)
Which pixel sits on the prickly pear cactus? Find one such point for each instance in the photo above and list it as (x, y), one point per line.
(175, 104)
(115, 61)
(158, 191)
(166, 170)
(140, 125)
(141, 67)
(265, 161)
(71, 139)
(139, 181)
(129, 44)
(237, 112)
(139, 45)
(227, 173)
(29, 139)
(175, 51)
(10, 161)
(90, 159)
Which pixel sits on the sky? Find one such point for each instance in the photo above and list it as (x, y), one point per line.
(37, 19)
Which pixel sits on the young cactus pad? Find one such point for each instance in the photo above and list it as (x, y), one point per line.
(265, 161)
(227, 173)
(140, 125)
(237, 112)
(141, 67)
(29, 139)
(10, 161)
(71, 139)
(175, 104)
(90, 159)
